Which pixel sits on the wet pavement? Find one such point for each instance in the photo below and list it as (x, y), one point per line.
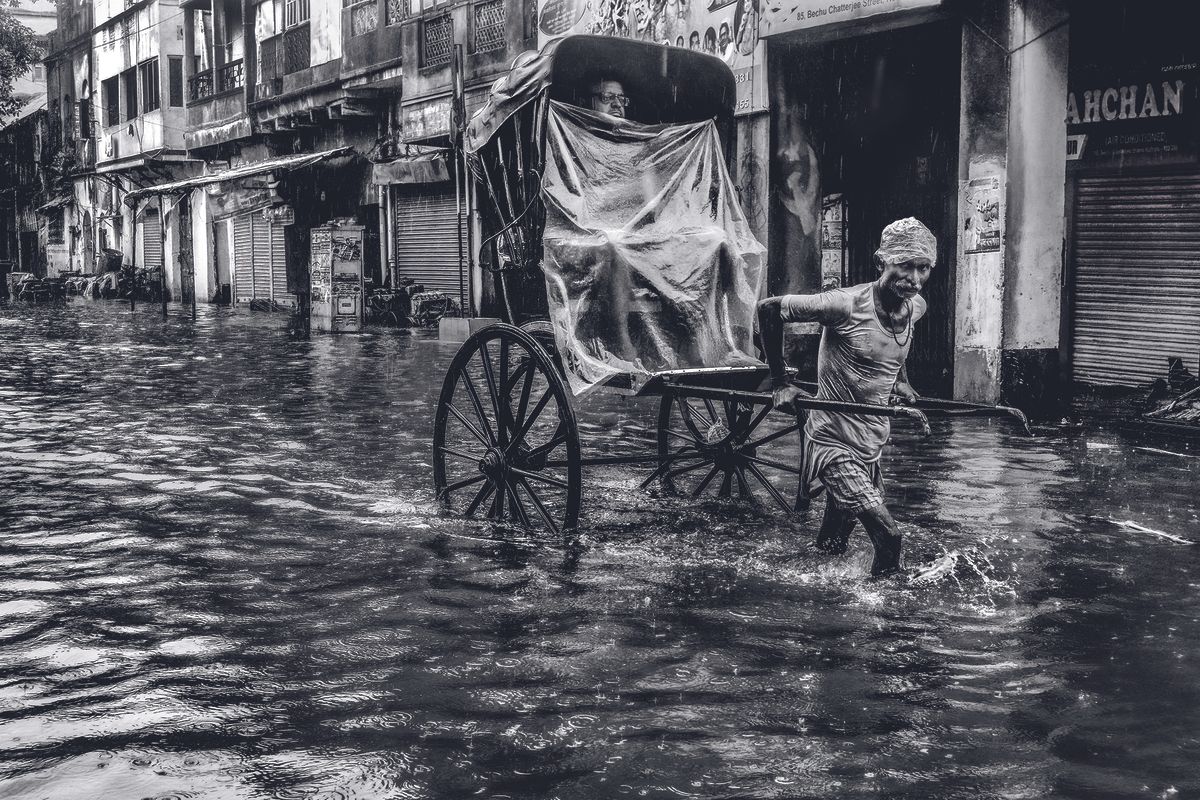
(224, 576)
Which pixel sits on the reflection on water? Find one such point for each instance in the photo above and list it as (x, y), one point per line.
(224, 577)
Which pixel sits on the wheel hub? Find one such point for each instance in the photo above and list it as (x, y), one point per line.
(493, 464)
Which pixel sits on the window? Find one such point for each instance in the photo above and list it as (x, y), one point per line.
(85, 119)
(489, 26)
(112, 101)
(295, 12)
(54, 228)
(175, 78)
(39, 72)
(437, 41)
(148, 70)
(129, 88)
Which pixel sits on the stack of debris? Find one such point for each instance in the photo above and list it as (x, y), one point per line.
(1174, 399)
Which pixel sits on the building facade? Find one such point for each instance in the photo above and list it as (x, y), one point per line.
(138, 103)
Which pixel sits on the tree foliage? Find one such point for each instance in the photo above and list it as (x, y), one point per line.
(18, 52)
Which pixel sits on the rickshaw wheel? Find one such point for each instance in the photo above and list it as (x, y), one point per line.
(728, 449)
(505, 440)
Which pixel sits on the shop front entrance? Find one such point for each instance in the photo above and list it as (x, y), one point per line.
(866, 132)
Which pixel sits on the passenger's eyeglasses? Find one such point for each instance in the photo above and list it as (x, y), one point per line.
(612, 97)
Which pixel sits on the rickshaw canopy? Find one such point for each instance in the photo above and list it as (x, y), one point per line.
(666, 84)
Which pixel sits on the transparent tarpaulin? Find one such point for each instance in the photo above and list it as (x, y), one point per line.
(650, 264)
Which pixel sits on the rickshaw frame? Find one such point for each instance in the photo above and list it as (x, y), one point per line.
(709, 418)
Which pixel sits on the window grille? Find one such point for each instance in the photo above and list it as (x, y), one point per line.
(295, 49)
(437, 42)
(364, 18)
(489, 26)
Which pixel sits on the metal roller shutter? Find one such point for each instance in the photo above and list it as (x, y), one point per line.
(243, 259)
(259, 261)
(1136, 252)
(427, 236)
(152, 249)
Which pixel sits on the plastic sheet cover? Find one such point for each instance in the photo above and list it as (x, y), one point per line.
(650, 264)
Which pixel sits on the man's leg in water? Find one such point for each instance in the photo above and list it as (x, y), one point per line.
(836, 527)
(885, 536)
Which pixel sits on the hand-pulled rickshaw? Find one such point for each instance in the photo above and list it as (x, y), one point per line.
(623, 262)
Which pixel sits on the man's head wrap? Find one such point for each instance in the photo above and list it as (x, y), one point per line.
(904, 240)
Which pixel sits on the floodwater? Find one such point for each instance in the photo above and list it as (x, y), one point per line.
(223, 576)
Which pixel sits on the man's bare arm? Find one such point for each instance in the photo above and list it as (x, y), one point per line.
(903, 389)
(770, 337)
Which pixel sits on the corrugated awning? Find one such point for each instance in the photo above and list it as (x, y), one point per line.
(244, 171)
(422, 168)
(57, 202)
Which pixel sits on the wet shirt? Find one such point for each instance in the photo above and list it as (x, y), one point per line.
(858, 362)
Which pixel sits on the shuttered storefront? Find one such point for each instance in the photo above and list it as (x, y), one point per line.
(426, 242)
(1136, 252)
(259, 263)
(152, 249)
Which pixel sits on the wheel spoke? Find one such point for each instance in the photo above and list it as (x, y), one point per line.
(523, 405)
(515, 504)
(743, 487)
(756, 422)
(475, 402)
(538, 506)
(689, 468)
(463, 483)
(489, 376)
(497, 509)
(548, 447)
(773, 464)
(707, 480)
(537, 476)
(712, 410)
(685, 437)
(483, 440)
(666, 463)
(757, 473)
(483, 494)
(773, 436)
(726, 484)
(533, 415)
(457, 454)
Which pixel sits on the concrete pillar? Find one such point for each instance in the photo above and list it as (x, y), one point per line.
(1012, 161)
(1029, 362)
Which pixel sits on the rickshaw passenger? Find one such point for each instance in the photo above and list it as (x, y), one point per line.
(608, 97)
(866, 335)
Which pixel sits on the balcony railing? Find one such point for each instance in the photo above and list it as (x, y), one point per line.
(200, 85)
(296, 48)
(231, 76)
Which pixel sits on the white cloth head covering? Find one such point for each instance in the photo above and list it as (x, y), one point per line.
(906, 239)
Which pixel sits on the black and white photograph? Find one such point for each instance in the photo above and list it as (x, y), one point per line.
(599, 399)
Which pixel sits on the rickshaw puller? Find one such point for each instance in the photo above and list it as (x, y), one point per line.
(865, 339)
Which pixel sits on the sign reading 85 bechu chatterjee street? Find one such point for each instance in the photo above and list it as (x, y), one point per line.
(780, 16)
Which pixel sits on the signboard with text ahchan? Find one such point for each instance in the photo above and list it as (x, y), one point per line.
(782, 16)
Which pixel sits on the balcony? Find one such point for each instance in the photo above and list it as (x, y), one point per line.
(225, 78)
(230, 76)
(200, 86)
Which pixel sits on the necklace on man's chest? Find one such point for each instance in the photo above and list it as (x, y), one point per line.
(891, 324)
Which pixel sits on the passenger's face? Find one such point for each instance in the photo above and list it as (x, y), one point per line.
(907, 278)
(609, 98)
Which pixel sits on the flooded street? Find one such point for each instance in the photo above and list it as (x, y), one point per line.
(224, 576)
